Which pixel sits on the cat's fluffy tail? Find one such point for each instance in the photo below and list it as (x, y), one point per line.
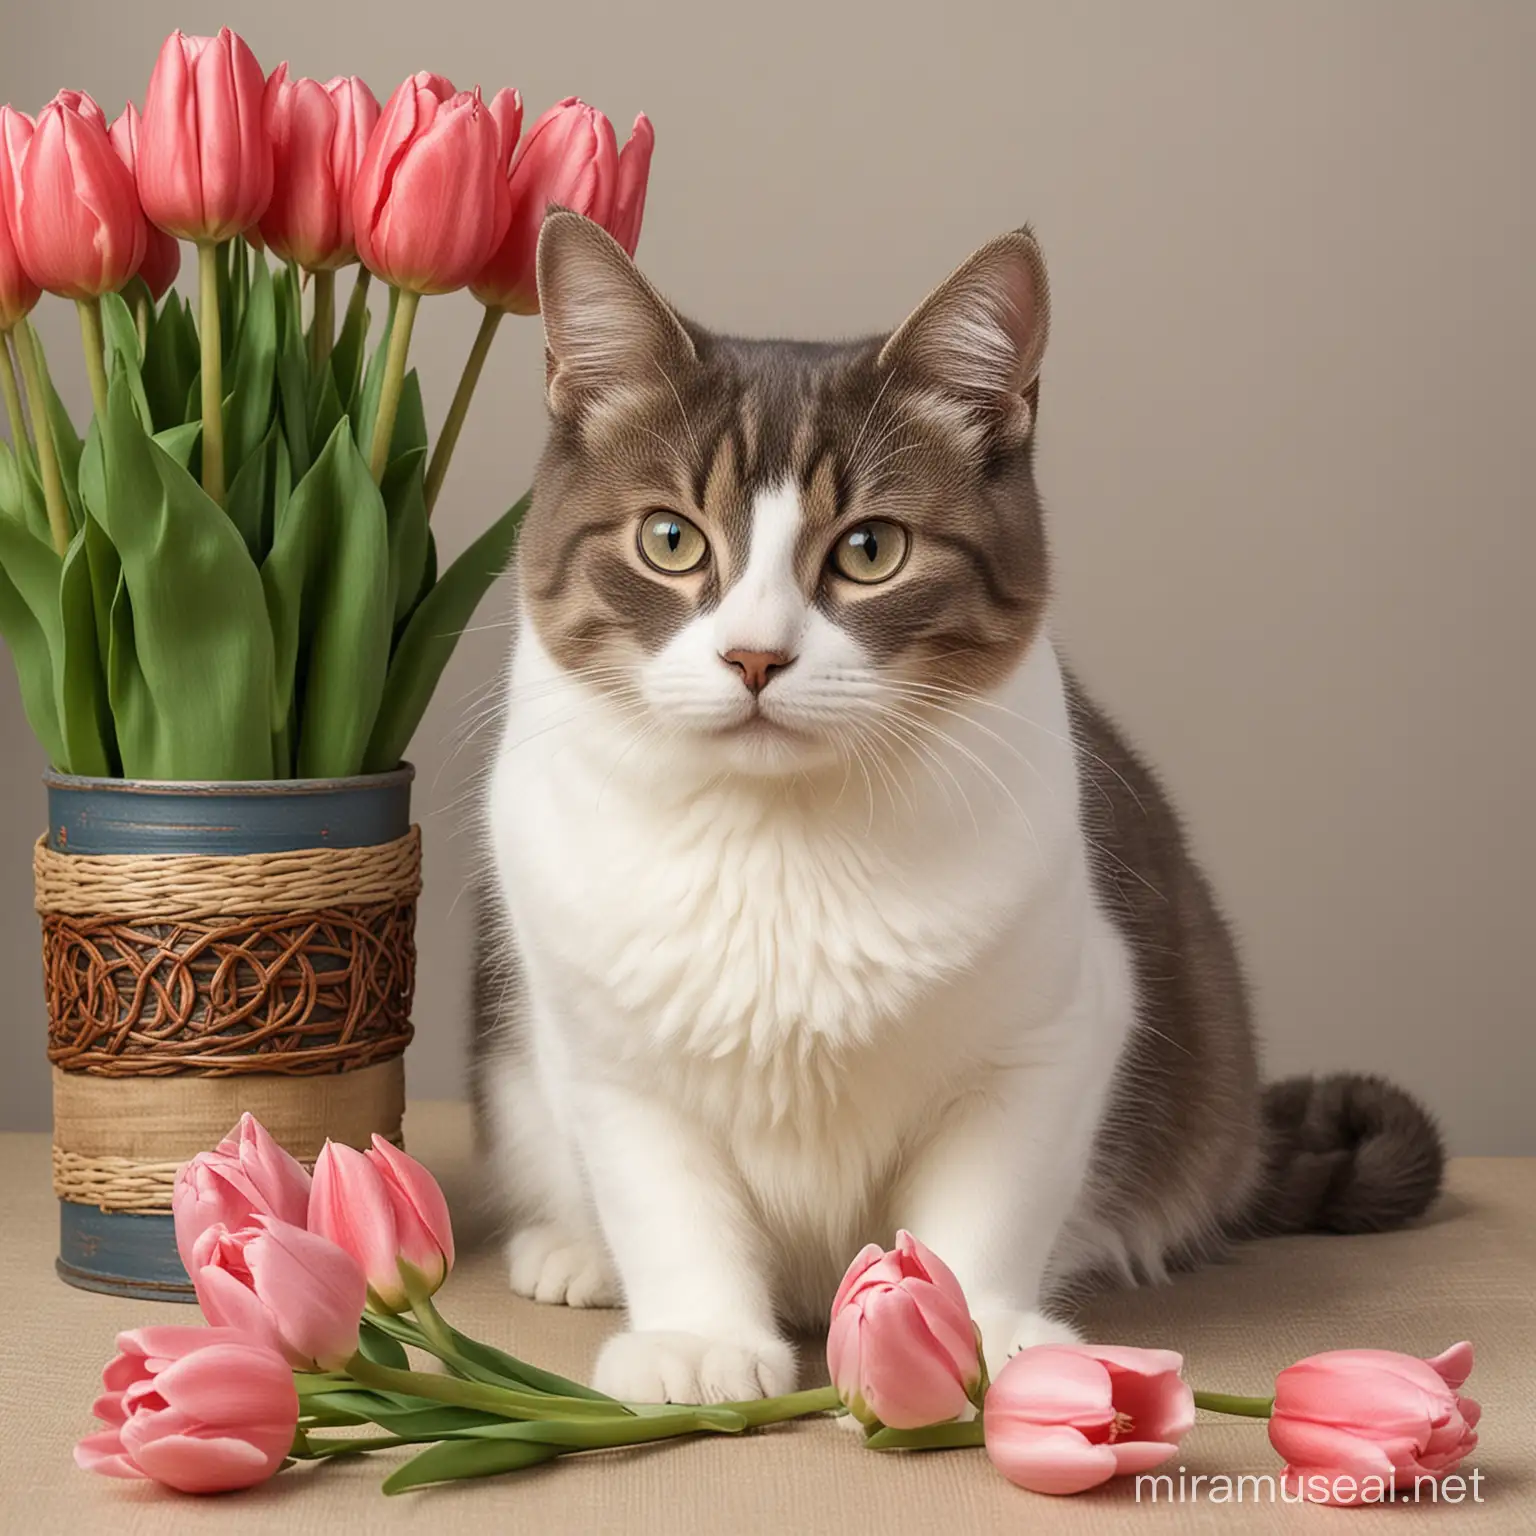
(1345, 1153)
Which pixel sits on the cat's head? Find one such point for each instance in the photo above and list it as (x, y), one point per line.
(785, 553)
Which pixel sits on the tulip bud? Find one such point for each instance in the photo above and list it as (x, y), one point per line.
(1063, 1418)
(902, 1348)
(569, 159)
(205, 163)
(1347, 1416)
(202, 1410)
(431, 200)
(79, 229)
(319, 136)
(385, 1210)
(246, 1175)
(18, 293)
(278, 1283)
(162, 252)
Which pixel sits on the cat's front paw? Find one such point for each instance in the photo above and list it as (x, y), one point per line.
(1006, 1333)
(694, 1368)
(547, 1264)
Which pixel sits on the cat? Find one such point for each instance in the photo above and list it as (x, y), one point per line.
(822, 901)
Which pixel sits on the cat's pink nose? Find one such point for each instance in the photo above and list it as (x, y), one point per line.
(757, 668)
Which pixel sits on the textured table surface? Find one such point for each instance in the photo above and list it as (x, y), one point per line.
(1468, 1271)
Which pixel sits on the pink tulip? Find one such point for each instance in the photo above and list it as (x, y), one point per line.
(79, 229)
(319, 135)
(1352, 1417)
(82, 103)
(246, 1175)
(386, 1210)
(18, 293)
(202, 1410)
(634, 177)
(205, 163)
(431, 200)
(571, 159)
(278, 1283)
(1062, 1418)
(902, 1348)
(162, 252)
(507, 110)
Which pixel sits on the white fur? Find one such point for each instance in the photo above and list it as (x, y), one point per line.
(780, 1002)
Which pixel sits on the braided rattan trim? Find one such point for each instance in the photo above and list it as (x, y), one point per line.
(123, 1184)
(176, 887)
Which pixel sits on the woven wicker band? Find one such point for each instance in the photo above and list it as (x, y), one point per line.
(183, 887)
(118, 1144)
(296, 963)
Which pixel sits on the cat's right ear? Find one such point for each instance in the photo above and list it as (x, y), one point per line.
(606, 330)
(979, 337)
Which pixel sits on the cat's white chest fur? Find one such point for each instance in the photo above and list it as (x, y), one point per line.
(765, 940)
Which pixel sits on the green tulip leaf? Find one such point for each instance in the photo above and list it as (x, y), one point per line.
(451, 1460)
(405, 500)
(122, 351)
(85, 714)
(511, 1369)
(293, 371)
(327, 410)
(21, 492)
(347, 355)
(190, 657)
(376, 1345)
(249, 500)
(29, 621)
(179, 442)
(171, 364)
(327, 583)
(248, 407)
(67, 444)
(432, 634)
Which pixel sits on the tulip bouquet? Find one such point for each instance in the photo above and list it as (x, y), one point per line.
(318, 1290)
(232, 574)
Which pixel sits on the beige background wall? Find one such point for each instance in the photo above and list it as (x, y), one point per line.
(1287, 422)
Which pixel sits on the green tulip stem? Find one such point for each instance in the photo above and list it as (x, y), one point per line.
(1244, 1407)
(213, 369)
(933, 1437)
(405, 303)
(15, 412)
(453, 424)
(438, 1334)
(42, 437)
(322, 329)
(502, 1401)
(792, 1405)
(143, 309)
(306, 1449)
(359, 300)
(95, 345)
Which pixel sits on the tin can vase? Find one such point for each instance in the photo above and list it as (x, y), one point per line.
(210, 949)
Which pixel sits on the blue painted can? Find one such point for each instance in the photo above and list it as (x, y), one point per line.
(128, 1254)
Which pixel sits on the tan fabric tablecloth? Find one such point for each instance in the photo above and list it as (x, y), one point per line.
(1468, 1271)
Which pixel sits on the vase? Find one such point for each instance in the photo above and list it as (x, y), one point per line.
(208, 949)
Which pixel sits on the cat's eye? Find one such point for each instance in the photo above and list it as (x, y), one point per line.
(872, 552)
(671, 543)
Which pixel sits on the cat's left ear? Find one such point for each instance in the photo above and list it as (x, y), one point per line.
(606, 329)
(980, 336)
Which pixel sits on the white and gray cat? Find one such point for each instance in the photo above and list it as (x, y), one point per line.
(823, 902)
